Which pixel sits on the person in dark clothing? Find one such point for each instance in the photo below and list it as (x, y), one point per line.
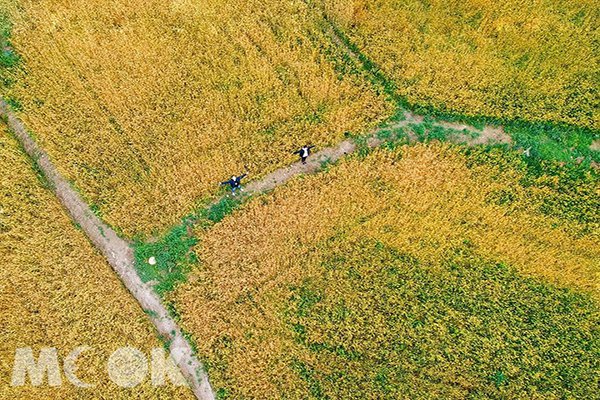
(304, 152)
(235, 183)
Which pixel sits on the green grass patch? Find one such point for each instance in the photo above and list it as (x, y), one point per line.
(173, 252)
(566, 191)
(558, 142)
(174, 257)
(8, 57)
(219, 210)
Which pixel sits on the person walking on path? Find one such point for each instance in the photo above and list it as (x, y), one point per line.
(235, 183)
(304, 152)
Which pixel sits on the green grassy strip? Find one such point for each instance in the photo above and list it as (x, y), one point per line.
(174, 251)
(9, 59)
(546, 140)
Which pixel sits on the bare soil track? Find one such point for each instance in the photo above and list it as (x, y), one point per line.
(489, 135)
(120, 256)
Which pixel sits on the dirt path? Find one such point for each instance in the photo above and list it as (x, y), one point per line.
(120, 256)
(489, 135)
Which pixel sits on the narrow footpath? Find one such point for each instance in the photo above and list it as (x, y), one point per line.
(119, 255)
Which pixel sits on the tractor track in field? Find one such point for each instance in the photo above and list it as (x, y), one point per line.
(119, 254)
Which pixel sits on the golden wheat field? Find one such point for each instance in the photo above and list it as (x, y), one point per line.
(535, 60)
(57, 291)
(429, 270)
(147, 106)
(421, 272)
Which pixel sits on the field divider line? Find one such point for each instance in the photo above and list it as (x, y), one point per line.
(119, 254)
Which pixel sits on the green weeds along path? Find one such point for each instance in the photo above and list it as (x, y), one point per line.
(173, 251)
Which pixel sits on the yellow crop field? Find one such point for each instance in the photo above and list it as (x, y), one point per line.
(146, 106)
(420, 272)
(56, 291)
(534, 60)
